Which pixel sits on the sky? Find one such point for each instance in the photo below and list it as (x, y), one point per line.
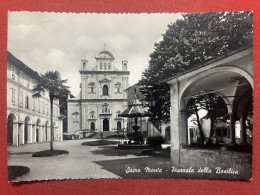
(58, 41)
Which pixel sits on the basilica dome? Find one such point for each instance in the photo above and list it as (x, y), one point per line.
(105, 55)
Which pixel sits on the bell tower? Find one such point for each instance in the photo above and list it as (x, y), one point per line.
(124, 64)
(84, 63)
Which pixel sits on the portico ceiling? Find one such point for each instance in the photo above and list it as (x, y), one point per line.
(229, 84)
(222, 82)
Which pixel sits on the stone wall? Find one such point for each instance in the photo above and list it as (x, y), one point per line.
(234, 165)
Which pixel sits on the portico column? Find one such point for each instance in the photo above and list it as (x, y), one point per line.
(29, 133)
(33, 133)
(175, 127)
(21, 133)
(15, 133)
(243, 129)
(41, 133)
(183, 127)
(48, 133)
(232, 130)
(44, 130)
(61, 130)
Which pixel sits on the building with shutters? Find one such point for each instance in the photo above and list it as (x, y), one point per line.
(28, 118)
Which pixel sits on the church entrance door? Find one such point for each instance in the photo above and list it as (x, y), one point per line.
(105, 124)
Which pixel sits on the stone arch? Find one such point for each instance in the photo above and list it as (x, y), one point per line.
(206, 73)
(11, 127)
(224, 98)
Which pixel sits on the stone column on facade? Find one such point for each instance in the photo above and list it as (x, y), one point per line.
(83, 117)
(100, 91)
(101, 124)
(48, 133)
(42, 133)
(61, 130)
(21, 133)
(232, 130)
(175, 127)
(243, 129)
(33, 133)
(109, 90)
(83, 88)
(183, 127)
(29, 133)
(15, 133)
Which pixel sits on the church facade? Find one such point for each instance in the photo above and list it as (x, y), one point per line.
(102, 97)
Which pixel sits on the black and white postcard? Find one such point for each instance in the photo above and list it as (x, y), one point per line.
(163, 95)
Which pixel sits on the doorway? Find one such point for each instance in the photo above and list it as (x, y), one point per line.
(105, 124)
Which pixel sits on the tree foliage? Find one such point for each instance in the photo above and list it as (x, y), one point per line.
(190, 42)
(52, 83)
(214, 105)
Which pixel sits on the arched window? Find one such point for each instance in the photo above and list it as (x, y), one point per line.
(92, 115)
(118, 88)
(101, 66)
(105, 90)
(91, 87)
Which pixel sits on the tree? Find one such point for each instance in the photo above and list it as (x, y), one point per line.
(63, 104)
(193, 107)
(52, 83)
(190, 42)
(214, 105)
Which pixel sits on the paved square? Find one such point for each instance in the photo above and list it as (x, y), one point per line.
(81, 162)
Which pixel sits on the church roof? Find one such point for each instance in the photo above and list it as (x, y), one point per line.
(105, 55)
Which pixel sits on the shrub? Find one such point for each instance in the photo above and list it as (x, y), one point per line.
(47, 153)
(16, 171)
(138, 136)
(156, 141)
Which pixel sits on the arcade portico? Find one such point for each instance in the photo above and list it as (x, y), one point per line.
(231, 77)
